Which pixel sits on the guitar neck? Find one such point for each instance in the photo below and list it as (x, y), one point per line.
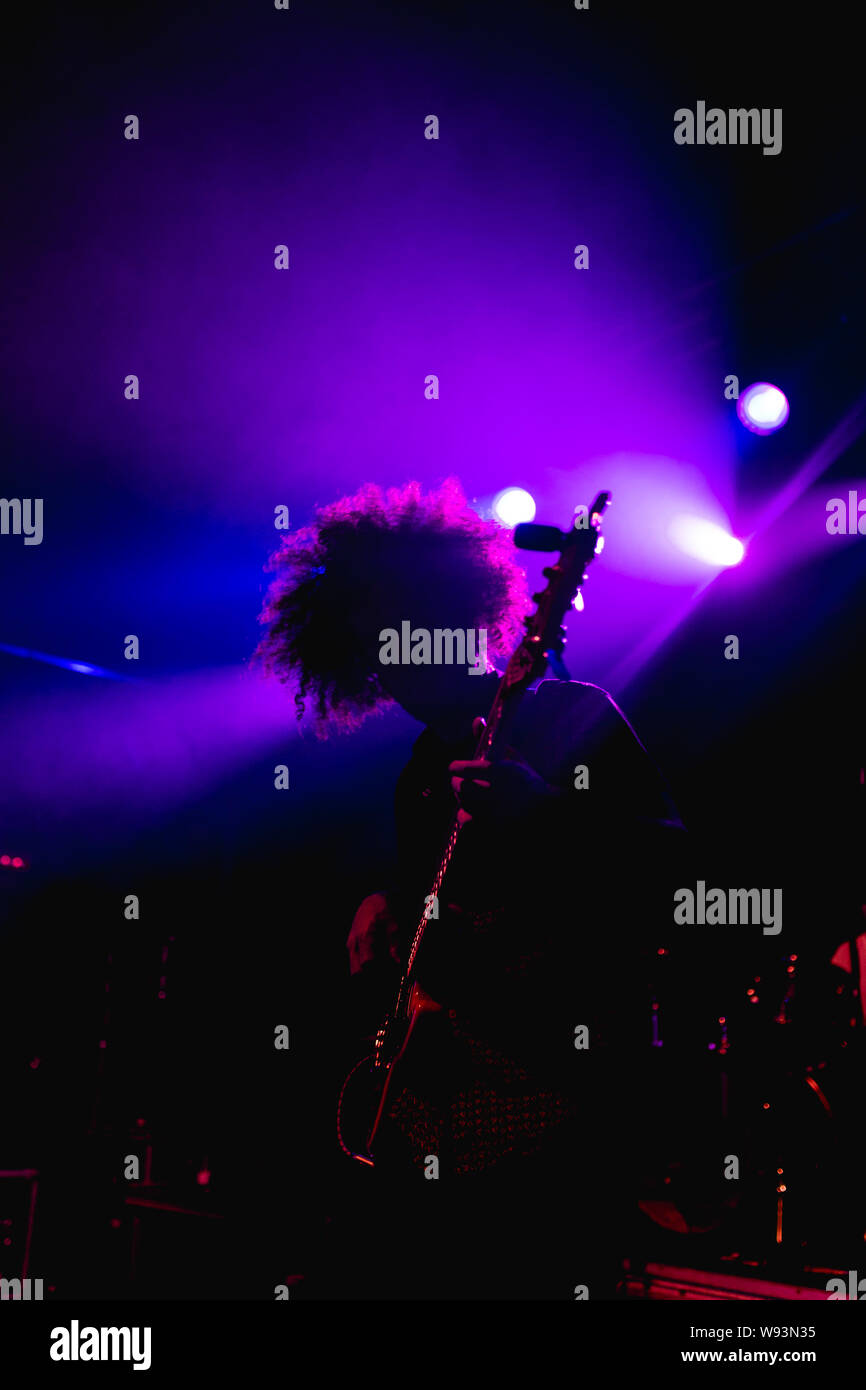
(491, 745)
(494, 736)
(544, 633)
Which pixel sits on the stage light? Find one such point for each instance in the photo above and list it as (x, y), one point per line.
(706, 541)
(763, 408)
(82, 668)
(513, 505)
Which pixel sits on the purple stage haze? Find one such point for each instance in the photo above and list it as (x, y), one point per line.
(409, 259)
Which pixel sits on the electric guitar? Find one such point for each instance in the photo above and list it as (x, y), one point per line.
(367, 1090)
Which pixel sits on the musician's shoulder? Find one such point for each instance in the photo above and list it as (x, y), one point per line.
(576, 720)
(426, 748)
(578, 714)
(588, 702)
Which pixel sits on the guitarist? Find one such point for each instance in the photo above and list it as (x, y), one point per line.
(514, 1105)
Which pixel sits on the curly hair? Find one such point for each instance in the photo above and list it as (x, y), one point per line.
(367, 562)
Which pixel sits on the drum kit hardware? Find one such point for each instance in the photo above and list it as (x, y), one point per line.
(748, 1115)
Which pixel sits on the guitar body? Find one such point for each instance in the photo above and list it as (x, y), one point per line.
(374, 1084)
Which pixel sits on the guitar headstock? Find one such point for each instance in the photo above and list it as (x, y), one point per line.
(577, 548)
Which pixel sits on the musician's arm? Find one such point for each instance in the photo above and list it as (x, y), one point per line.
(373, 934)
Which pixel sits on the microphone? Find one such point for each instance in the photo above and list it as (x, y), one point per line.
(529, 536)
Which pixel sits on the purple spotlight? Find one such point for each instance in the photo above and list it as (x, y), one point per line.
(706, 541)
(513, 505)
(763, 408)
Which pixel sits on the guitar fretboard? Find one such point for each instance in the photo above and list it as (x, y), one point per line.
(490, 738)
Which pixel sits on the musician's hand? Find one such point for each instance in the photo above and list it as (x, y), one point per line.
(373, 934)
(503, 790)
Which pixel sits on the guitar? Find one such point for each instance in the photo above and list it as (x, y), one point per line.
(367, 1090)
